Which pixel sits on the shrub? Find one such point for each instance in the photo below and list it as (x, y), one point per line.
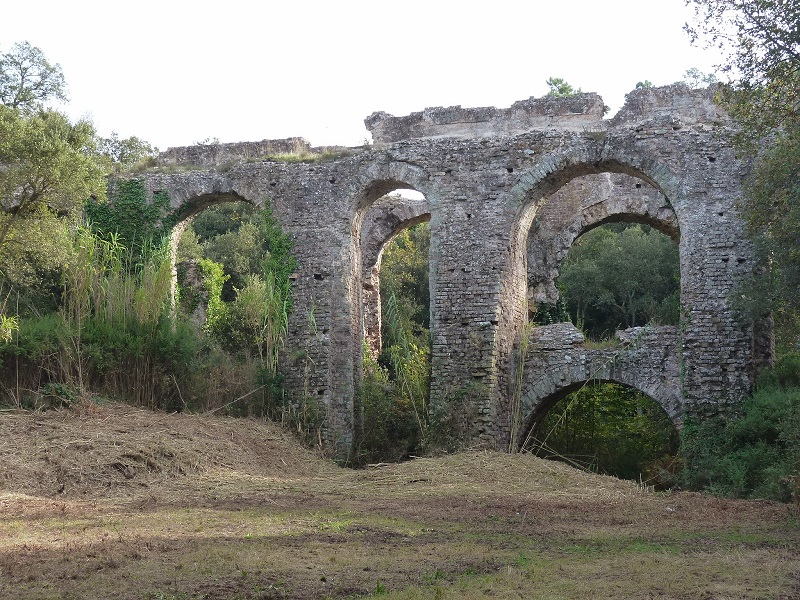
(391, 429)
(755, 451)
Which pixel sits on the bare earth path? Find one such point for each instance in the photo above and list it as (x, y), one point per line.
(118, 502)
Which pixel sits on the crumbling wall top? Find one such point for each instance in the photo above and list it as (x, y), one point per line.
(573, 112)
(210, 155)
(676, 103)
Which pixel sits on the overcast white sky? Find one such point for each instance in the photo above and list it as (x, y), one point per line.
(174, 72)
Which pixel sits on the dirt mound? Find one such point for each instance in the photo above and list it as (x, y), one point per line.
(117, 450)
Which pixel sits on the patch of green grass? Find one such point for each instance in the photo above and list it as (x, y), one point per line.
(304, 157)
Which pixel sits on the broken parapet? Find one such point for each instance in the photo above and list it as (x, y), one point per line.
(676, 102)
(574, 112)
(210, 155)
(676, 105)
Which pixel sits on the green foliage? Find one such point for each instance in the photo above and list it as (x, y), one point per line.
(130, 218)
(246, 241)
(548, 314)
(213, 280)
(259, 316)
(761, 43)
(772, 212)
(38, 244)
(644, 84)
(621, 276)
(50, 167)
(753, 452)
(9, 325)
(252, 248)
(559, 88)
(48, 163)
(278, 260)
(391, 430)
(395, 388)
(245, 264)
(28, 79)
(609, 429)
(112, 333)
(404, 275)
(695, 78)
(126, 153)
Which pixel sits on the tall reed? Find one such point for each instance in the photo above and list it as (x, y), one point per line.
(113, 309)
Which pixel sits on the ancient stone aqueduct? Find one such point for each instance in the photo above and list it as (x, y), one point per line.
(506, 191)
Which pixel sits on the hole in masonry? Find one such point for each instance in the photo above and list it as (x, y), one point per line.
(318, 276)
(638, 186)
(712, 159)
(510, 169)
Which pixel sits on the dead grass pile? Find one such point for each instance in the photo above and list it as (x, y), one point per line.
(485, 473)
(116, 450)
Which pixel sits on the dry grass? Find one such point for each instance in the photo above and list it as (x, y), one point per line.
(117, 502)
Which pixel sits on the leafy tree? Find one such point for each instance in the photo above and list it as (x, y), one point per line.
(755, 452)
(559, 88)
(644, 84)
(50, 167)
(28, 79)
(244, 240)
(695, 78)
(395, 388)
(404, 274)
(761, 42)
(124, 153)
(620, 276)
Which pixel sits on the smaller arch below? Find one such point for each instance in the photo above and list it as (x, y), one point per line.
(387, 217)
(558, 363)
(578, 207)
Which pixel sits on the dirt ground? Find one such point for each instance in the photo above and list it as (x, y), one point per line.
(117, 502)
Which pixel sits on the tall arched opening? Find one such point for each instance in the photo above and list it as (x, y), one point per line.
(394, 388)
(573, 199)
(231, 265)
(383, 211)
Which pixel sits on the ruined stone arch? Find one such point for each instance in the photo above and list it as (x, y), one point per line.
(367, 239)
(190, 208)
(558, 363)
(536, 193)
(581, 205)
(384, 220)
(487, 174)
(534, 418)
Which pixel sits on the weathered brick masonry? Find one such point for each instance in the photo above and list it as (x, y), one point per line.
(507, 191)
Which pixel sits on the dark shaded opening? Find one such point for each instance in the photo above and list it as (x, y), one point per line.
(610, 429)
